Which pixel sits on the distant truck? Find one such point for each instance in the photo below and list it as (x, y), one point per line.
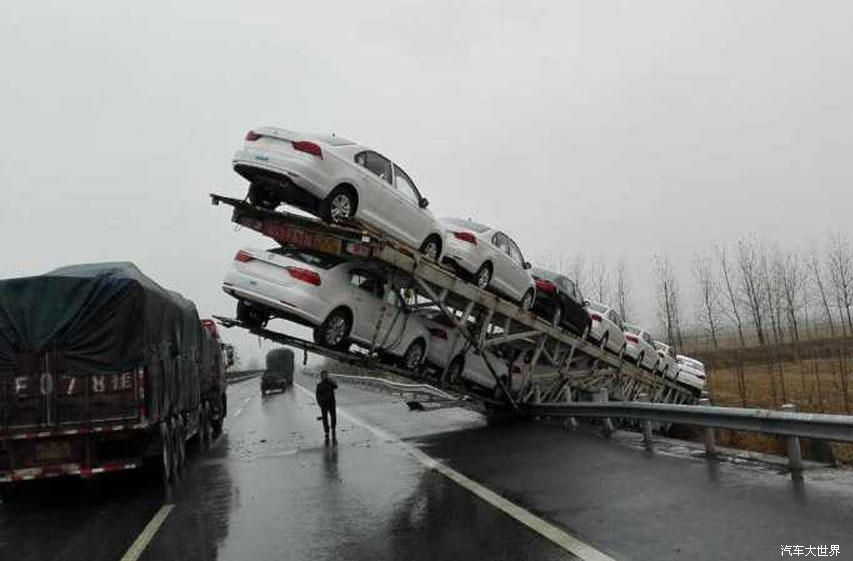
(279, 371)
(102, 369)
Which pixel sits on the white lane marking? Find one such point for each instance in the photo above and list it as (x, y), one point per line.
(147, 534)
(547, 530)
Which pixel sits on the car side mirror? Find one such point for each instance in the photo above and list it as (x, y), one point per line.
(527, 265)
(424, 202)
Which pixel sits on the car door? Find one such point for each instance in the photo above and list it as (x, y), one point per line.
(573, 310)
(366, 302)
(503, 273)
(520, 275)
(392, 332)
(413, 222)
(377, 202)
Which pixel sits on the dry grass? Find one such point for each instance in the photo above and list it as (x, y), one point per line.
(818, 385)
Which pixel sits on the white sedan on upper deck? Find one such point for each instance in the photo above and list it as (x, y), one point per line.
(337, 179)
(490, 258)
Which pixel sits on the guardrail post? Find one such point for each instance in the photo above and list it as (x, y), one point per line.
(795, 457)
(569, 422)
(710, 439)
(647, 425)
(607, 425)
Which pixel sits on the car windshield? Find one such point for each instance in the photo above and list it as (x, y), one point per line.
(462, 223)
(308, 257)
(632, 329)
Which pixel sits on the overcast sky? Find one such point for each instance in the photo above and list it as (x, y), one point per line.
(609, 129)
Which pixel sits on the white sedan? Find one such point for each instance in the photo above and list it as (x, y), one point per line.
(691, 366)
(467, 368)
(606, 327)
(343, 301)
(337, 179)
(667, 366)
(640, 347)
(490, 258)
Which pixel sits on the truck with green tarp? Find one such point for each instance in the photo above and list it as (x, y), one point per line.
(102, 369)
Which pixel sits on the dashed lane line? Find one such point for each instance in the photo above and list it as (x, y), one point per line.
(547, 530)
(147, 534)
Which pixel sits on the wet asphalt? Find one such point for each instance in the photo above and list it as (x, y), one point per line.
(271, 489)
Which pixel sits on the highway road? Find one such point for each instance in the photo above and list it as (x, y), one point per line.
(425, 485)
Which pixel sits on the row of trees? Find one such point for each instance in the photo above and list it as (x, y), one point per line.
(774, 294)
(762, 293)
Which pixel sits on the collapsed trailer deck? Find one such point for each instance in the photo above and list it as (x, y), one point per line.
(557, 364)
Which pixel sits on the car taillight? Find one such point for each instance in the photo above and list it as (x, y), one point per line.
(305, 275)
(595, 317)
(543, 285)
(436, 332)
(633, 338)
(307, 147)
(465, 237)
(252, 136)
(243, 257)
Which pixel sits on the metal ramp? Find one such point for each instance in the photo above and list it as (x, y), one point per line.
(557, 366)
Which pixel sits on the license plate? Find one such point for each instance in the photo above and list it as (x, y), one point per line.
(286, 235)
(52, 451)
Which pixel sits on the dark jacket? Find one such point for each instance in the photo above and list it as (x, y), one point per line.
(326, 392)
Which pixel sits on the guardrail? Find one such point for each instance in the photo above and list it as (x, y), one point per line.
(398, 386)
(786, 423)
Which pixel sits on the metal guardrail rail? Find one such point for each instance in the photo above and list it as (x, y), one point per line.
(398, 386)
(787, 423)
(783, 423)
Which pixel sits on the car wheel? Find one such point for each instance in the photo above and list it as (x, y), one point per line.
(527, 300)
(251, 315)
(335, 329)
(431, 248)
(454, 371)
(339, 205)
(414, 355)
(483, 276)
(263, 196)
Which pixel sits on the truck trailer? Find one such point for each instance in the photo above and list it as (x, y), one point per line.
(102, 369)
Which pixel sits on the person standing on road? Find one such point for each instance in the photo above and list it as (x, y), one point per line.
(326, 400)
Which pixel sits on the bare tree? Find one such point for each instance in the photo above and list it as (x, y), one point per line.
(709, 303)
(817, 274)
(791, 280)
(840, 267)
(773, 294)
(751, 285)
(577, 272)
(667, 300)
(621, 288)
(728, 275)
(598, 278)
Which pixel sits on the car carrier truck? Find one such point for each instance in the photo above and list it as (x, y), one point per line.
(102, 369)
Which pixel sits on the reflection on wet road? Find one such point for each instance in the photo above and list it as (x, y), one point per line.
(271, 489)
